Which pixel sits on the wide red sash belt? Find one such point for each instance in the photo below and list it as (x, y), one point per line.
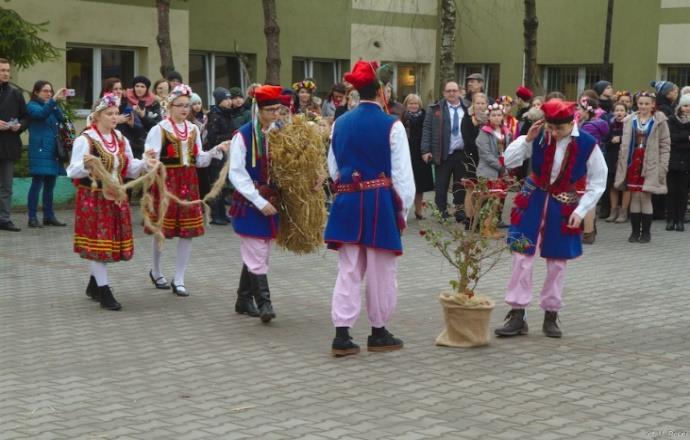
(364, 185)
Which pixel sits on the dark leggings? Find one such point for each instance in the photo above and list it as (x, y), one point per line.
(677, 198)
(48, 184)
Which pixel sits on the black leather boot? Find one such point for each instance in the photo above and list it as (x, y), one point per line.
(515, 324)
(670, 224)
(646, 234)
(107, 299)
(635, 221)
(343, 344)
(550, 327)
(92, 289)
(245, 301)
(262, 295)
(382, 340)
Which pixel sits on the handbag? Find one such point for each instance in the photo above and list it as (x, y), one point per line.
(65, 140)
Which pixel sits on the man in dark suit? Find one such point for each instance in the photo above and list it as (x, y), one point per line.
(442, 143)
(13, 120)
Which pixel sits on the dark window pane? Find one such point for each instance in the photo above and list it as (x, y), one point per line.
(227, 72)
(298, 69)
(324, 76)
(564, 80)
(197, 77)
(118, 63)
(679, 75)
(592, 75)
(408, 81)
(492, 76)
(80, 75)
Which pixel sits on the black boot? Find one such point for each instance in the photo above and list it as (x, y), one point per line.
(550, 327)
(342, 343)
(646, 235)
(635, 220)
(382, 340)
(245, 300)
(670, 224)
(515, 324)
(262, 295)
(107, 299)
(92, 289)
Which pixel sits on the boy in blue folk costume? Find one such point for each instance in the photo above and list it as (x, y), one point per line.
(369, 162)
(254, 212)
(548, 211)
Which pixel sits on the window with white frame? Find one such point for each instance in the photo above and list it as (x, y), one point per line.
(324, 73)
(87, 67)
(571, 80)
(491, 73)
(210, 70)
(678, 74)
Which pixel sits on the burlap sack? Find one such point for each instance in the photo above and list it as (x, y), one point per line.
(466, 325)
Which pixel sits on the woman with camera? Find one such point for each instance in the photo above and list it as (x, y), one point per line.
(44, 166)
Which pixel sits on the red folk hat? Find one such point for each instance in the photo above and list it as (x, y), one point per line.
(267, 95)
(524, 93)
(558, 112)
(363, 73)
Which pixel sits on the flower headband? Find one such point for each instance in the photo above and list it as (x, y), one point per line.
(646, 95)
(306, 84)
(622, 93)
(493, 107)
(505, 99)
(179, 90)
(108, 100)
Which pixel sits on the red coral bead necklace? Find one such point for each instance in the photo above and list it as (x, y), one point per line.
(180, 134)
(111, 145)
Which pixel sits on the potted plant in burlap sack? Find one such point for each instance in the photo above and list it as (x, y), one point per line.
(473, 249)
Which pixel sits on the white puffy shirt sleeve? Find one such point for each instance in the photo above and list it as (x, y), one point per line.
(238, 175)
(153, 141)
(135, 167)
(596, 182)
(76, 169)
(401, 166)
(332, 163)
(517, 152)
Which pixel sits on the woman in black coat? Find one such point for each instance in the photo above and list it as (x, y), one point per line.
(413, 120)
(678, 177)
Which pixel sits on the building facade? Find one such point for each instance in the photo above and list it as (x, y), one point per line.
(221, 42)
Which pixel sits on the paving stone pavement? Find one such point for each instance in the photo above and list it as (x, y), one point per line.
(173, 368)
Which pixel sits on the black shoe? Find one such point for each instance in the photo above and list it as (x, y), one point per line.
(9, 226)
(245, 300)
(680, 227)
(460, 216)
(646, 235)
(262, 295)
(180, 290)
(53, 222)
(163, 285)
(219, 221)
(107, 299)
(670, 225)
(92, 289)
(550, 327)
(33, 223)
(382, 340)
(635, 222)
(502, 225)
(515, 324)
(343, 347)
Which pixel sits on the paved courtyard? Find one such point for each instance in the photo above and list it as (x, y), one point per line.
(172, 368)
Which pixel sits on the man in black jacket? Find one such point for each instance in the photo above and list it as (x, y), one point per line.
(443, 143)
(13, 120)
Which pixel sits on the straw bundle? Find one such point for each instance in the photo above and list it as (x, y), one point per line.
(298, 167)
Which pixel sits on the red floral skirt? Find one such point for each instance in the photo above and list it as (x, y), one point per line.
(634, 179)
(102, 229)
(181, 221)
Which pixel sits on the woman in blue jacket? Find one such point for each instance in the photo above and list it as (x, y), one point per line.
(44, 166)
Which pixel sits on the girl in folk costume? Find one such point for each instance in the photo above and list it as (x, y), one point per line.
(643, 163)
(511, 122)
(102, 228)
(618, 214)
(176, 142)
(304, 99)
(548, 211)
(255, 217)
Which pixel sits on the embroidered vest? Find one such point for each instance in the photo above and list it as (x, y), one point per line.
(107, 159)
(171, 149)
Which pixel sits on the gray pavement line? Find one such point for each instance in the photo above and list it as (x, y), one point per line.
(38, 261)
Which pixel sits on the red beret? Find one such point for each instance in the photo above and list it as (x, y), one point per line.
(267, 95)
(524, 93)
(363, 73)
(558, 112)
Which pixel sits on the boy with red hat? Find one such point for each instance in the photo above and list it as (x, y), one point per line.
(369, 162)
(254, 213)
(548, 212)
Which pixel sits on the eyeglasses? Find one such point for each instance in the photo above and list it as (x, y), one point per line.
(182, 105)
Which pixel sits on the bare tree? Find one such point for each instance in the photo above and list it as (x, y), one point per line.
(272, 32)
(163, 37)
(606, 68)
(448, 20)
(531, 24)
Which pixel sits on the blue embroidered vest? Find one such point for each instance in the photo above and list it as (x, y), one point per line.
(361, 145)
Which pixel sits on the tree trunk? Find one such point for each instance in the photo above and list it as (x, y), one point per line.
(607, 73)
(531, 24)
(163, 37)
(448, 20)
(272, 32)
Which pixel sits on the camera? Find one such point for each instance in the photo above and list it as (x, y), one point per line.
(70, 92)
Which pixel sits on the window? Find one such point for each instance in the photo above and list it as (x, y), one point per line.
(677, 74)
(570, 80)
(491, 74)
(87, 67)
(325, 73)
(208, 71)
